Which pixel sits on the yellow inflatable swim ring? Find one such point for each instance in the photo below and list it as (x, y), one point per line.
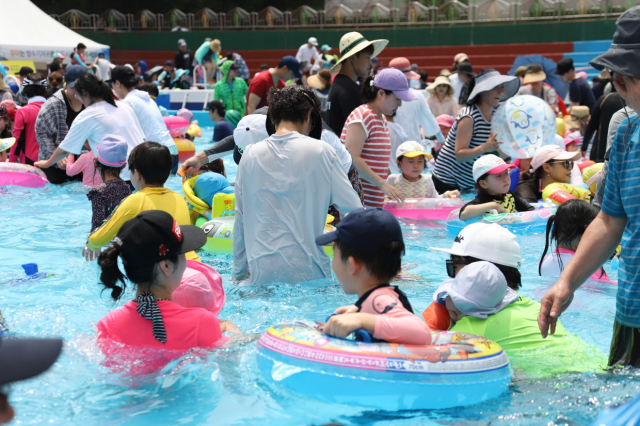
(559, 193)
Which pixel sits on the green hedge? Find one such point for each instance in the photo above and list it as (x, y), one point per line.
(401, 37)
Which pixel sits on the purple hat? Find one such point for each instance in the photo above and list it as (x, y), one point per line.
(394, 80)
(112, 151)
(183, 112)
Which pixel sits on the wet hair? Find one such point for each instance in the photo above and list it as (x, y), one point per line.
(152, 161)
(111, 274)
(472, 85)
(150, 88)
(293, 103)
(216, 166)
(89, 84)
(383, 267)
(370, 91)
(218, 107)
(511, 274)
(36, 89)
(568, 224)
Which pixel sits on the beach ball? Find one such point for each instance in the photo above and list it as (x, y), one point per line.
(524, 123)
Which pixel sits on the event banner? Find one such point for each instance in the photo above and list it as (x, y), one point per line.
(38, 54)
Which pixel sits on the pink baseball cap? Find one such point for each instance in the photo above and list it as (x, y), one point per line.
(567, 141)
(552, 152)
(201, 287)
(491, 164)
(404, 65)
(445, 120)
(112, 151)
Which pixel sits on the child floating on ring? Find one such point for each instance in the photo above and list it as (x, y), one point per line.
(412, 161)
(365, 262)
(492, 178)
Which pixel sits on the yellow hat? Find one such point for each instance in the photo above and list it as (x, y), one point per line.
(411, 149)
(561, 127)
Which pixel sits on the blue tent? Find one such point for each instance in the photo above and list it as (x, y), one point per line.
(549, 68)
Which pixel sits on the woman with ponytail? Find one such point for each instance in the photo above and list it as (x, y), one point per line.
(366, 134)
(566, 228)
(152, 247)
(102, 116)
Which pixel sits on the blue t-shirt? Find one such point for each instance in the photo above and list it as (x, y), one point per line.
(581, 93)
(622, 199)
(222, 130)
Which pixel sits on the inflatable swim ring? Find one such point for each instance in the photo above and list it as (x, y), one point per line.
(457, 369)
(195, 130)
(559, 193)
(177, 125)
(186, 148)
(592, 175)
(223, 204)
(424, 208)
(519, 223)
(22, 175)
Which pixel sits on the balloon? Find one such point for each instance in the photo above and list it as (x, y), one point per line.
(524, 123)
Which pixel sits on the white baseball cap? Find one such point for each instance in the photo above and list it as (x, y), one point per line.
(410, 149)
(478, 290)
(552, 152)
(491, 164)
(251, 129)
(486, 241)
(313, 41)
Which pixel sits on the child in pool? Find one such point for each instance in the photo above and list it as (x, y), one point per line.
(112, 157)
(5, 145)
(569, 223)
(85, 164)
(365, 262)
(492, 178)
(411, 182)
(478, 290)
(208, 184)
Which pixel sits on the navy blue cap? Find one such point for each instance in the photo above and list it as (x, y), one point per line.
(71, 73)
(169, 64)
(293, 64)
(366, 229)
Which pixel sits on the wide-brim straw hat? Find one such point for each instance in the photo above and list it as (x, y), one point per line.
(534, 77)
(320, 80)
(437, 82)
(215, 46)
(352, 43)
(488, 81)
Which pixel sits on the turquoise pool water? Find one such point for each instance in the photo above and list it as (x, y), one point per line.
(223, 387)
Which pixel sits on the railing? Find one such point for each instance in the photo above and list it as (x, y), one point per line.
(414, 14)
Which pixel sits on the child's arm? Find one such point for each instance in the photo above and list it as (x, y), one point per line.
(74, 167)
(343, 325)
(471, 211)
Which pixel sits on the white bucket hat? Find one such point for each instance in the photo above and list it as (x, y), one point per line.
(489, 80)
(479, 290)
(486, 241)
(352, 43)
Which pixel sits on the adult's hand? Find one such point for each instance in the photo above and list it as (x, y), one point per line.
(42, 164)
(191, 165)
(62, 163)
(392, 192)
(554, 303)
(492, 144)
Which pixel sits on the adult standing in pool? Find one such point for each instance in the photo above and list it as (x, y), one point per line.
(102, 116)
(366, 133)
(618, 221)
(471, 135)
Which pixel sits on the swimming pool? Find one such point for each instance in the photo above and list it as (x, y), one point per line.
(49, 227)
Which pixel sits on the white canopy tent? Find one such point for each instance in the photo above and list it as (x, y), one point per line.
(29, 34)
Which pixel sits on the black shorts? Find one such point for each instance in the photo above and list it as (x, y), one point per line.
(440, 186)
(625, 346)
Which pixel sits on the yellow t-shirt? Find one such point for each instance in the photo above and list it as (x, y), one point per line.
(146, 199)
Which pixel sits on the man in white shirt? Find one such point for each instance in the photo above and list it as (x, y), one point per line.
(308, 53)
(104, 66)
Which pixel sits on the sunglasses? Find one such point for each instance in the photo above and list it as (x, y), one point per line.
(59, 79)
(566, 163)
(451, 266)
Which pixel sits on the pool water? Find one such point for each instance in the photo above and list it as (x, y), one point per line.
(223, 387)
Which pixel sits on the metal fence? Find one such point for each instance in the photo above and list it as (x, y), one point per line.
(376, 15)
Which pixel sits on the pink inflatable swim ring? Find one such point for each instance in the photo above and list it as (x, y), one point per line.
(22, 175)
(177, 125)
(424, 208)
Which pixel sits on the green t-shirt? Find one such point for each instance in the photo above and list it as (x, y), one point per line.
(515, 329)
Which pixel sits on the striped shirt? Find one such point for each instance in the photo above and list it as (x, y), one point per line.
(447, 169)
(376, 150)
(622, 200)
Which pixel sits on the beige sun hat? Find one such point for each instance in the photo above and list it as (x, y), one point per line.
(352, 43)
(215, 45)
(437, 82)
(534, 77)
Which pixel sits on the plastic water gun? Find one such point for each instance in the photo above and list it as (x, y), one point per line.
(559, 193)
(31, 269)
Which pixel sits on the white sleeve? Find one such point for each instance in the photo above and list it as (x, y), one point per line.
(79, 132)
(426, 119)
(343, 196)
(330, 138)
(299, 54)
(240, 265)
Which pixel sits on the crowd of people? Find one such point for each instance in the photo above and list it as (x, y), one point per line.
(318, 134)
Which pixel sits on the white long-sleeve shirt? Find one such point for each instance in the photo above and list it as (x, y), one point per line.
(150, 118)
(415, 114)
(308, 54)
(284, 187)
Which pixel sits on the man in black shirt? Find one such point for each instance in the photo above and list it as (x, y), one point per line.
(579, 91)
(184, 57)
(355, 62)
